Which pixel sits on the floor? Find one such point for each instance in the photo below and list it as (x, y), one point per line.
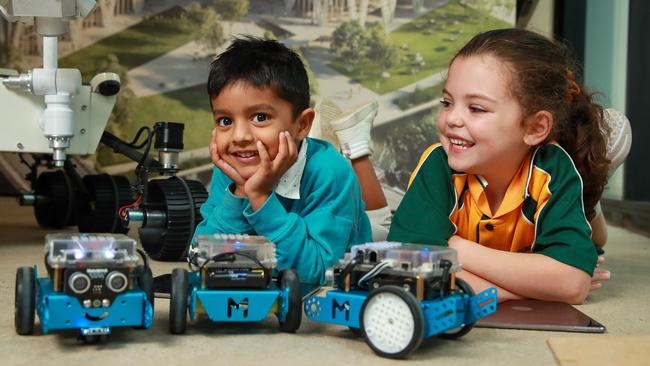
(622, 305)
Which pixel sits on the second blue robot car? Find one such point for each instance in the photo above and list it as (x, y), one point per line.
(232, 280)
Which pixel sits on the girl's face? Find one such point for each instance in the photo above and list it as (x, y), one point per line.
(481, 121)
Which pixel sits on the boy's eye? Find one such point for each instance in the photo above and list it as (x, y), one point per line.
(260, 117)
(475, 109)
(223, 121)
(445, 103)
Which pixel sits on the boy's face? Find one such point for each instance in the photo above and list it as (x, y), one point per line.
(245, 114)
(480, 121)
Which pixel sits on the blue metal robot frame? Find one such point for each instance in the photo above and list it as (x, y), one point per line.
(344, 308)
(57, 311)
(454, 314)
(231, 304)
(237, 305)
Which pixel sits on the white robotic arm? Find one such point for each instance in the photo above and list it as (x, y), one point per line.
(49, 100)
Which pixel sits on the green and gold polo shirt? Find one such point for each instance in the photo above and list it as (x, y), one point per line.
(542, 211)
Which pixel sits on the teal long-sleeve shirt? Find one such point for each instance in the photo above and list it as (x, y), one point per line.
(311, 233)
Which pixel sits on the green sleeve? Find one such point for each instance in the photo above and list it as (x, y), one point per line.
(563, 232)
(423, 215)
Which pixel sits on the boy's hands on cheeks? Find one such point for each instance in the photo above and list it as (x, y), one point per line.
(259, 186)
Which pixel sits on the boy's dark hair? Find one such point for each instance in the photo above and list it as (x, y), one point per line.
(262, 63)
(543, 78)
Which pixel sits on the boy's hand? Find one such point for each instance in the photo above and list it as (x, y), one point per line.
(226, 168)
(259, 186)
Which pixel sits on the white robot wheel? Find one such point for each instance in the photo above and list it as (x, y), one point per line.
(392, 322)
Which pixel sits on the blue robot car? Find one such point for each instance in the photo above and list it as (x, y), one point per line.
(94, 283)
(396, 294)
(232, 280)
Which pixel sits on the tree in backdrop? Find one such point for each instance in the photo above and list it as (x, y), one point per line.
(231, 10)
(349, 41)
(208, 32)
(9, 56)
(380, 49)
(10, 33)
(352, 42)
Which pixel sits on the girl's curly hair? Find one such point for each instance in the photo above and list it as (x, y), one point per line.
(543, 78)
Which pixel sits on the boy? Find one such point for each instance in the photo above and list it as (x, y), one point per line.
(270, 179)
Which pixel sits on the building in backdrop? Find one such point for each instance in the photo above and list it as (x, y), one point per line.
(357, 51)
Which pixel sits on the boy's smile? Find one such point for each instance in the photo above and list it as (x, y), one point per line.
(245, 114)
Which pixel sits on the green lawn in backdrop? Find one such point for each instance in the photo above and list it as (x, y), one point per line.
(136, 45)
(436, 36)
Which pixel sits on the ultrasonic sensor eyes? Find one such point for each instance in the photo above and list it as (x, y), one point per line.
(117, 281)
(79, 283)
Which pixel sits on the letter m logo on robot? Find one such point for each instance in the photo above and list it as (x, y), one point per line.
(345, 307)
(238, 309)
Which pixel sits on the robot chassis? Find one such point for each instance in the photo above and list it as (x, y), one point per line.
(54, 107)
(395, 295)
(94, 283)
(232, 280)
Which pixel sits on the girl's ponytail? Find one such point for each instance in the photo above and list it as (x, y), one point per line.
(583, 137)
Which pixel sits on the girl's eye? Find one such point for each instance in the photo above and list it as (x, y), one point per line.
(224, 122)
(445, 103)
(260, 117)
(476, 109)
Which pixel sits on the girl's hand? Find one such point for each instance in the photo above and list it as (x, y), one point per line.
(226, 168)
(259, 186)
(600, 275)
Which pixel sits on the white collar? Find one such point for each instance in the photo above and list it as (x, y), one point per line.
(289, 184)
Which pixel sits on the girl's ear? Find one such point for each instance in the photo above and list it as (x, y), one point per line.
(538, 127)
(304, 121)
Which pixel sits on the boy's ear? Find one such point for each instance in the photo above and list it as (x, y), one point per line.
(538, 127)
(305, 119)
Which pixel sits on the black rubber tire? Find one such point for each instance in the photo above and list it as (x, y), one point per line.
(464, 288)
(25, 302)
(178, 301)
(181, 200)
(92, 339)
(288, 279)
(62, 200)
(416, 312)
(106, 194)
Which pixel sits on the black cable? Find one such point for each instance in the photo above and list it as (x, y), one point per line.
(446, 267)
(137, 137)
(145, 154)
(230, 257)
(140, 182)
(348, 269)
(372, 273)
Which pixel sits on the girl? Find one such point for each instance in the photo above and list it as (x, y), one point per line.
(504, 187)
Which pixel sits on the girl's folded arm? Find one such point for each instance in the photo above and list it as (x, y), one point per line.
(530, 275)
